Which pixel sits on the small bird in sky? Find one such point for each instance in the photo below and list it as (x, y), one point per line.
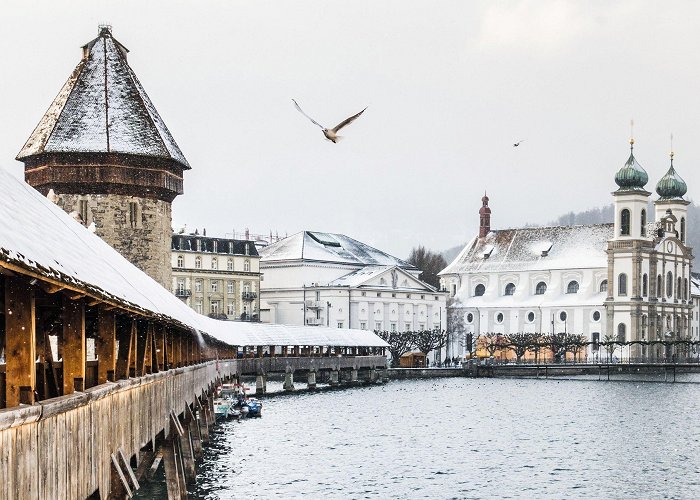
(330, 133)
(516, 144)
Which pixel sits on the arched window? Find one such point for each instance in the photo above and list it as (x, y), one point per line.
(246, 266)
(572, 287)
(643, 229)
(669, 284)
(180, 261)
(479, 290)
(685, 288)
(604, 286)
(198, 263)
(621, 332)
(659, 285)
(622, 284)
(683, 229)
(214, 263)
(679, 292)
(540, 288)
(625, 222)
(645, 285)
(510, 289)
(229, 265)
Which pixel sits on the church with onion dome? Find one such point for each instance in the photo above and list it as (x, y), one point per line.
(629, 280)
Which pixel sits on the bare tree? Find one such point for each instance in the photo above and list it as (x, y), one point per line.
(469, 342)
(493, 342)
(429, 263)
(610, 343)
(429, 340)
(575, 344)
(519, 343)
(399, 344)
(538, 343)
(556, 343)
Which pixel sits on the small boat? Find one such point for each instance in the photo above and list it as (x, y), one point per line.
(253, 406)
(223, 408)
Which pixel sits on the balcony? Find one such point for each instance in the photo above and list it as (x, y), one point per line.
(249, 295)
(183, 293)
(315, 304)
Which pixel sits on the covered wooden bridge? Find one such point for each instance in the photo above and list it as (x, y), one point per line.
(106, 374)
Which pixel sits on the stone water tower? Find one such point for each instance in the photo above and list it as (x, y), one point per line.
(106, 153)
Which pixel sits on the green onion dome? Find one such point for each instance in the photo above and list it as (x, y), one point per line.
(671, 186)
(631, 176)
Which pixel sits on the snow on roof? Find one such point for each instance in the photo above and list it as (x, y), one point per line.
(328, 247)
(695, 284)
(535, 248)
(103, 108)
(40, 238)
(362, 276)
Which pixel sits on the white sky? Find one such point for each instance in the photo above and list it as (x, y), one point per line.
(450, 86)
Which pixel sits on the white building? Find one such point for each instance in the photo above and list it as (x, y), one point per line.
(329, 279)
(629, 280)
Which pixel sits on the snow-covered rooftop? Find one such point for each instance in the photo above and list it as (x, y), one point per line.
(328, 247)
(535, 248)
(40, 239)
(404, 280)
(103, 108)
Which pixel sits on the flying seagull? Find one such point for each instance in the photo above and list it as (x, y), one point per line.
(515, 145)
(330, 133)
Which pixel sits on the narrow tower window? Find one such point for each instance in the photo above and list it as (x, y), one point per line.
(669, 284)
(659, 285)
(683, 229)
(645, 285)
(621, 332)
(134, 214)
(643, 229)
(625, 222)
(622, 284)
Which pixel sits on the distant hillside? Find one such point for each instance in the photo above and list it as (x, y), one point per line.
(602, 215)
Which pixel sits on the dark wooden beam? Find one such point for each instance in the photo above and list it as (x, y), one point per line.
(106, 346)
(20, 342)
(126, 335)
(73, 345)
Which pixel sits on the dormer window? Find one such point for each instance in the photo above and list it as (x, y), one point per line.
(540, 288)
(510, 289)
(479, 290)
(572, 287)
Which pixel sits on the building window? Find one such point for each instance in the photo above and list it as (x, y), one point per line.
(643, 229)
(470, 317)
(499, 318)
(214, 263)
(83, 210)
(669, 284)
(604, 286)
(364, 294)
(679, 293)
(198, 263)
(685, 288)
(510, 289)
(198, 306)
(133, 214)
(407, 327)
(454, 289)
(393, 327)
(645, 285)
(622, 284)
(393, 295)
(340, 324)
(540, 288)
(198, 285)
(246, 266)
(180, 261)
(621, 332)
(572, 287)
(422, 297)
(595, 339)
(563, 316)
(181, 286)
(682, 229)
(229, 265)
(479, 290)
(421, 326)
(596, 315)
(229, 287)
(378, 326)
(363, 325)
(231, 309)
(379, 294)
(214, 307)
(214, 286)
(644, 326)
(625, 222)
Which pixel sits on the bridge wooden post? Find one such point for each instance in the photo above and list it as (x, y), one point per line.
(73, 345)
(162, 347)
(195, 432)
(126, 338)
(106, 345)
(187, 450)
(20, 342)
(153, 360)
(142, 342)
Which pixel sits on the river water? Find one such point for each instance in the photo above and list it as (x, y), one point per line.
(463, 438)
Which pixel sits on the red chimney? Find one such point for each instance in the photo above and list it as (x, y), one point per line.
(484, 217)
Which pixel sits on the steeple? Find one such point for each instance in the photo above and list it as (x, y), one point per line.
(671, 186)
(631, 177)
(484, 217)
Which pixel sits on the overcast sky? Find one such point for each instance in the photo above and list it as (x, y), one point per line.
(450, 86)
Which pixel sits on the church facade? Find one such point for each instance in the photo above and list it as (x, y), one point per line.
(629, 280)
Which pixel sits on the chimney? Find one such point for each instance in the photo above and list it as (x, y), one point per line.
(484, 217)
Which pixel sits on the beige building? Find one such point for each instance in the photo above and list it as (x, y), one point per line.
(217, 277)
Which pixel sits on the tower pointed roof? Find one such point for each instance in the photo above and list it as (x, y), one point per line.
(103, 108)
(671, 186)
(631, 177)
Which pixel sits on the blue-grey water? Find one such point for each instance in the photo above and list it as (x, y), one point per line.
(463, 438)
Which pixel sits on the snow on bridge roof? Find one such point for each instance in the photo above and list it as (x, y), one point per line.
(39, 238)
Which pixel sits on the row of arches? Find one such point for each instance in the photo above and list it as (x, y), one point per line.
(214, 263)
(540, 288)
(625, 224)
(678, 288)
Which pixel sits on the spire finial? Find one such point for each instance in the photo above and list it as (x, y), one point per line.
(671, 154)
(631, 134)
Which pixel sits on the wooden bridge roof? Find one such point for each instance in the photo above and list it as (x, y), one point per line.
(39, 240)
